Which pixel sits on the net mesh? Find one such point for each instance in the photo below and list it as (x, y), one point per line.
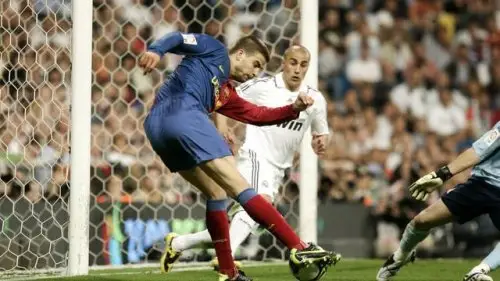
(135, 199)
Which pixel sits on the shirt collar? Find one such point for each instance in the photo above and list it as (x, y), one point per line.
(280, 83)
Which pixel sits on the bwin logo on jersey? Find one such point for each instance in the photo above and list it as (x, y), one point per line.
(292, 125)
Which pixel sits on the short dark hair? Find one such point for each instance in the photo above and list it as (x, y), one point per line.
(251, 44)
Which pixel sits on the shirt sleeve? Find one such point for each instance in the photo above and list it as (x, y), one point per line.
(488, 143)
(319, 123)
(251, 89)
(185, 44)
(241, 110)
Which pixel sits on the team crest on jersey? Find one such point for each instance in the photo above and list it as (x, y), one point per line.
(492, 137)
(189, 39)
(220, 97)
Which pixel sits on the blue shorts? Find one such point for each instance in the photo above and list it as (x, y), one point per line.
(472, 199)
(183, 135)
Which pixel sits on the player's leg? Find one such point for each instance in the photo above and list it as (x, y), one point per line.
(415, 232)
(215, 194)
(265, 179)
(460, 204)
(481, 271)
(217, 220)
(242, 225)
(418, 229)
(223, 171)
(191, 240)
(184, 139)
(492, 261)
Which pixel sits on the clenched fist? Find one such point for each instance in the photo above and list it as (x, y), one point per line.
(149, 61)
(302, 102)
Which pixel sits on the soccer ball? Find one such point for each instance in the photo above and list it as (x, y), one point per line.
(307, 272)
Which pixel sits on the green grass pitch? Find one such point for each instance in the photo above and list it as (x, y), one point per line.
(346, 270)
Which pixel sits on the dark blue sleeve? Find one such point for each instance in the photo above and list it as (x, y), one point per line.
(186, 44)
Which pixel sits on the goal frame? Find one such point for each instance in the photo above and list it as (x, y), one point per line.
(309, 179)
(81, 84)
(82, 12)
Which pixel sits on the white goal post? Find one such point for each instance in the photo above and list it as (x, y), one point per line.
(80, 127)
(117, 202)
(81, 84)
(308, 200)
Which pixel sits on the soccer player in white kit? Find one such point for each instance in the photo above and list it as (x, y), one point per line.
(269, 150)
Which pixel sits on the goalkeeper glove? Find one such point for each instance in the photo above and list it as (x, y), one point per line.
(425, 185)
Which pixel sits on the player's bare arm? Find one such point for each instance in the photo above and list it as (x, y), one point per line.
(318, 144)
(483, 147)
(464, 161)
(421, 189)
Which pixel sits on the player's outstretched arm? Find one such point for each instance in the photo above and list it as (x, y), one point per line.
(239, 109)
(425, 185)
(185, 44)
(481, 149)
(181, 44)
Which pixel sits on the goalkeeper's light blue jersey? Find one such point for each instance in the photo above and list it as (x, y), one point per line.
(488, 149)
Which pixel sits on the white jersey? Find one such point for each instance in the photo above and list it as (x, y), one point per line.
(277, 144)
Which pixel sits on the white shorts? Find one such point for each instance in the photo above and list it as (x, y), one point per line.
(264, 177)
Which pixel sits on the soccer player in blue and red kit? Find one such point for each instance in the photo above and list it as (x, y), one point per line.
(180, 131)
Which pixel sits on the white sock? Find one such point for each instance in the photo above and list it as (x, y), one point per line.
(411, 238)
(241, 226)
(191, 240)
(492, 261)
(482, 267)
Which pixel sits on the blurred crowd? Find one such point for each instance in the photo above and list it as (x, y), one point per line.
(409, 84)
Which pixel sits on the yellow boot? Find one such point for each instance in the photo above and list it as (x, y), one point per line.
(170, 256)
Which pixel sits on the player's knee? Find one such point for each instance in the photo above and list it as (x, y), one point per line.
(422, 222)
(216, 193)
(223, 171)
(434, 215)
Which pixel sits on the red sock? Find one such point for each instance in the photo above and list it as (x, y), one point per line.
(266, 215)
(218, 227)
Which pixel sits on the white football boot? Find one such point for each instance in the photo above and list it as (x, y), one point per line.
(479, 275)
(391, 267)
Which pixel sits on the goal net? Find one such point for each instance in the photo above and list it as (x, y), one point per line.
(135, 200)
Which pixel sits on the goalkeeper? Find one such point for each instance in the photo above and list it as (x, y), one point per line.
(479, 195)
